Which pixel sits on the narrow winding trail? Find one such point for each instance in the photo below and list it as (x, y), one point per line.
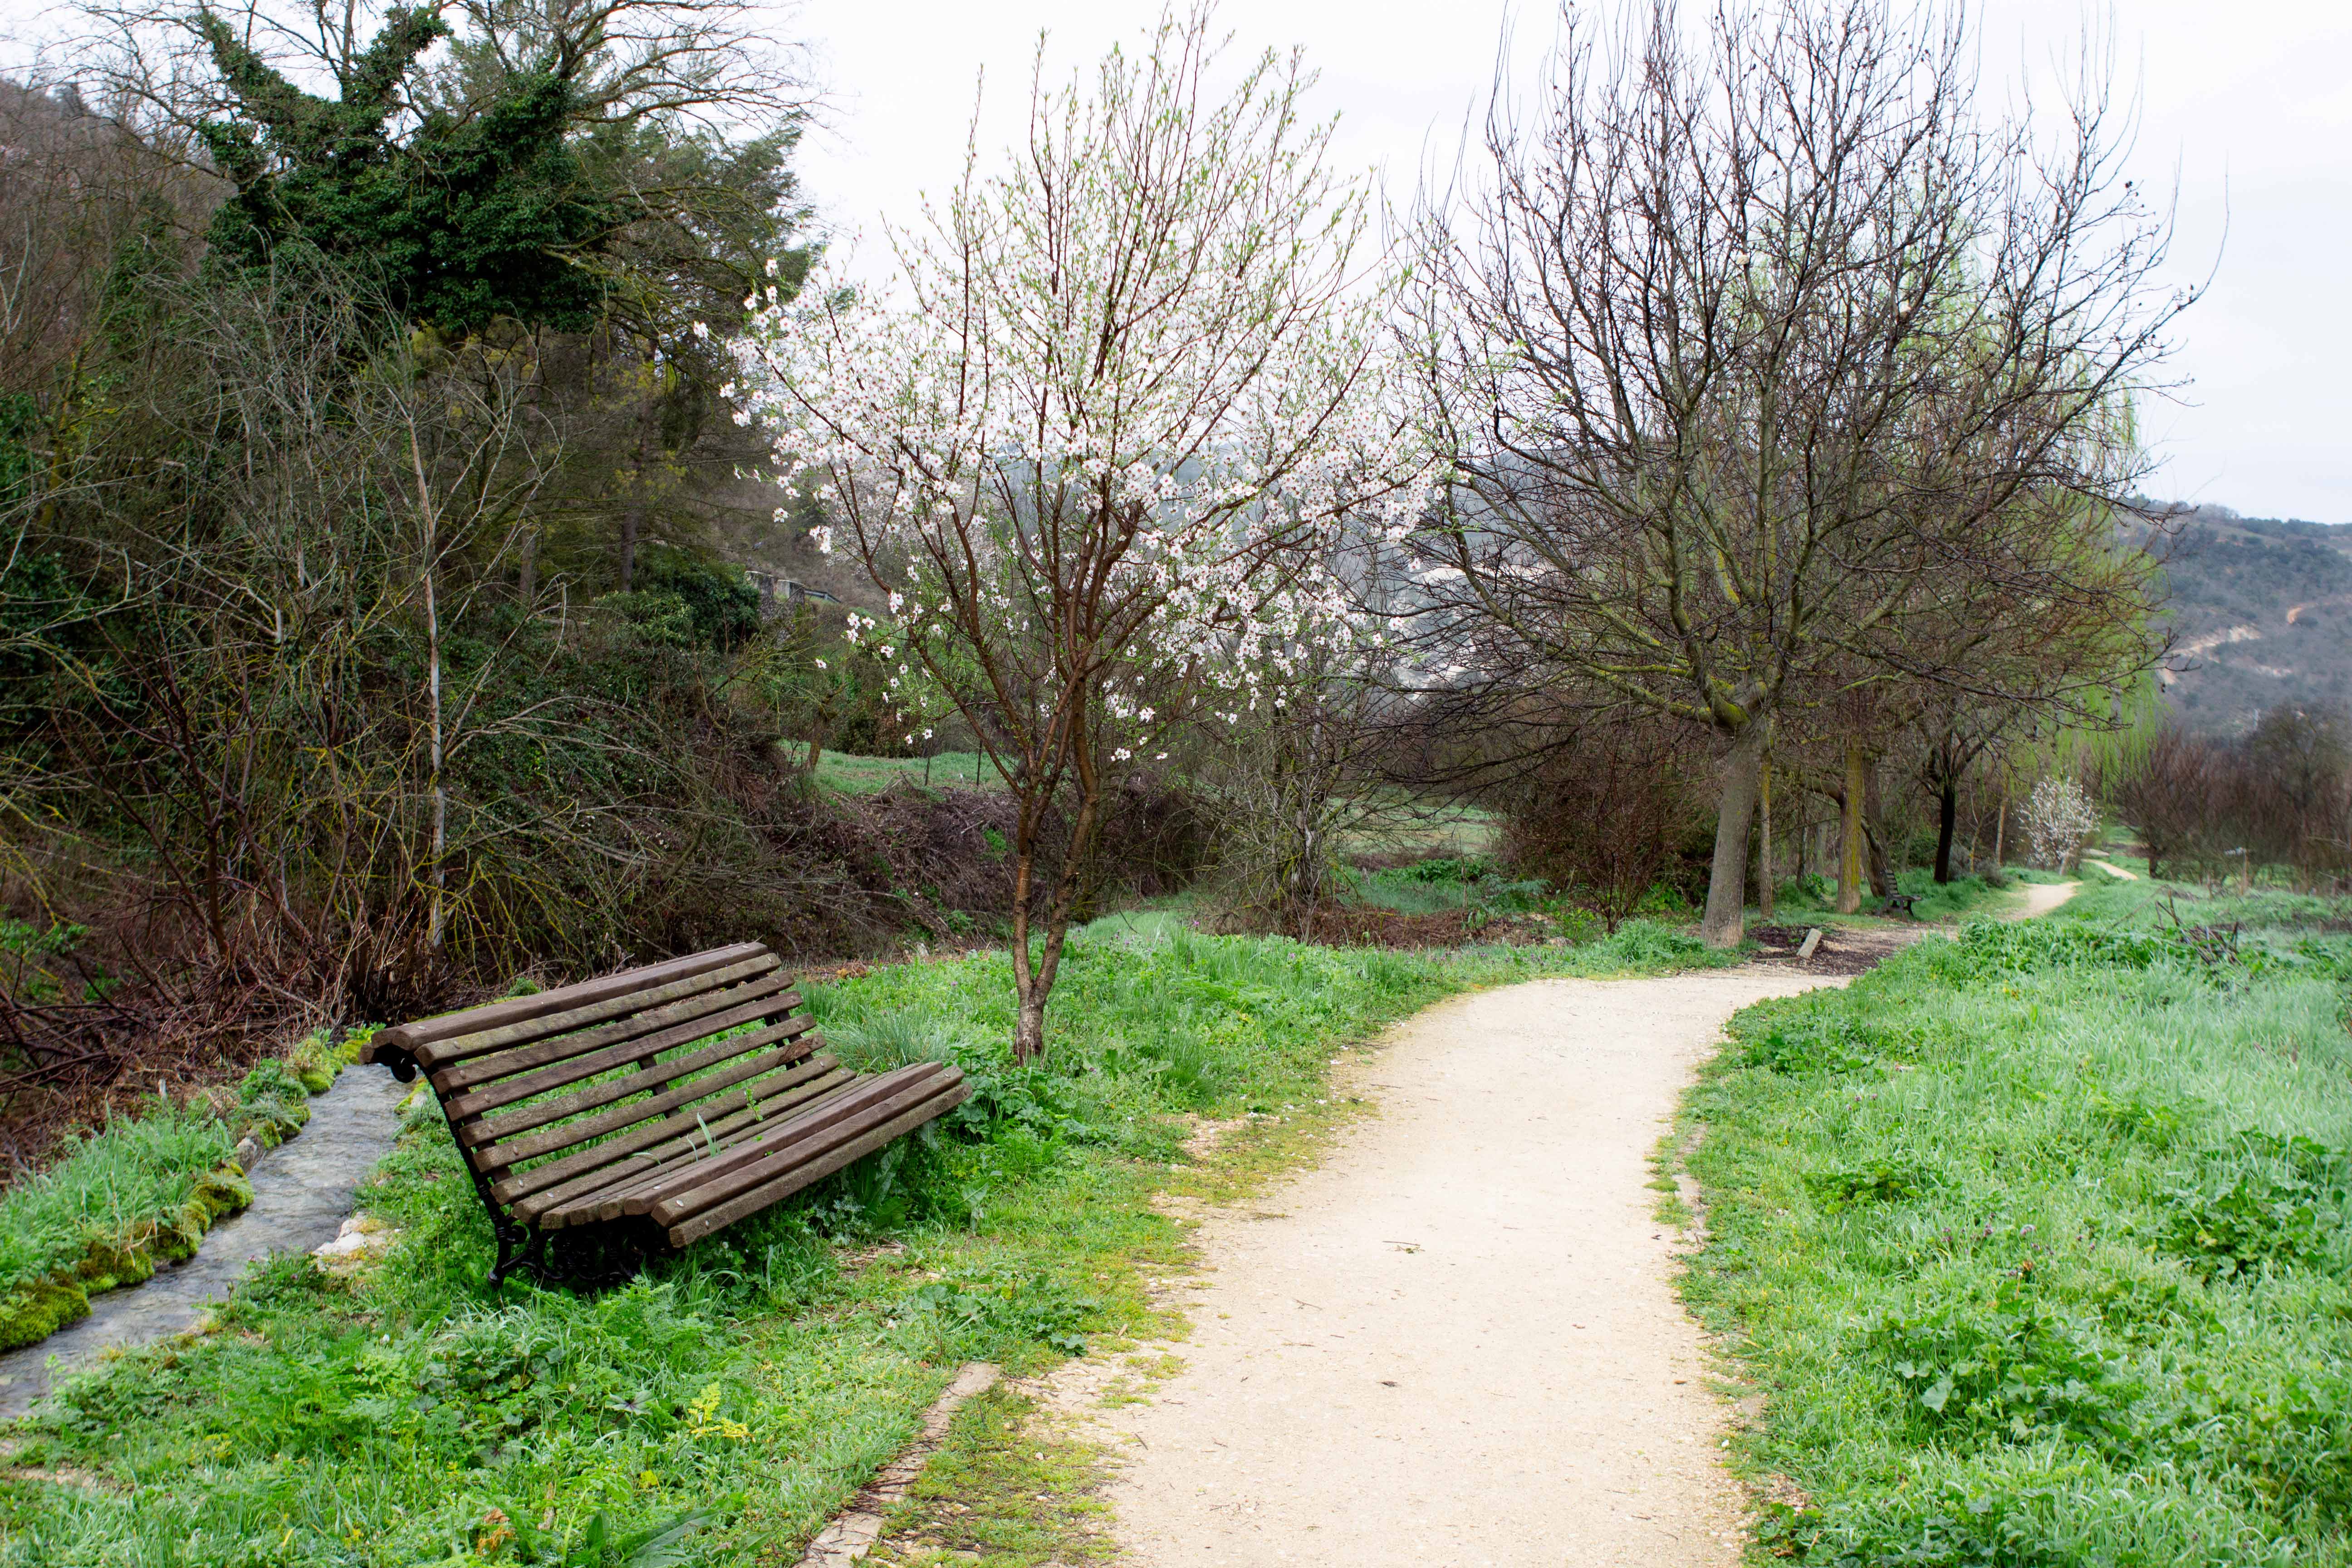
(1458, 1344)
(1459, 1341)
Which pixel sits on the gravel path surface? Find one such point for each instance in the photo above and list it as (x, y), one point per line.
(1458, 1342)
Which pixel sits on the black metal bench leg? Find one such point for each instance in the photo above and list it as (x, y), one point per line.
(516, 1247)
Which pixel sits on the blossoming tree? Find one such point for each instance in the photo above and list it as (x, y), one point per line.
(1122, 405)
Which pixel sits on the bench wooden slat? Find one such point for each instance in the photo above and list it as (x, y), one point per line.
(743, 1005)
(517, 1186)
(616, 1197)
(477, 1132)
(613, 1022)
(808, 1125)
(728, 1174)
(688, 1232)
(751, 1142)
(495, 1159)
(679, 1137)
(429, 1032)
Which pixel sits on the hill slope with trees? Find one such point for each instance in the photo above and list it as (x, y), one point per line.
(2262, 615)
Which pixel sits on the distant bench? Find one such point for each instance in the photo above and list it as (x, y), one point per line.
(648, 1109)
(1900, 904)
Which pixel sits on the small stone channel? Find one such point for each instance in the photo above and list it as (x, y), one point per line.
(301, 1191)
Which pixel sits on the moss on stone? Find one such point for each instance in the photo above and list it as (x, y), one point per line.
(31, 1314)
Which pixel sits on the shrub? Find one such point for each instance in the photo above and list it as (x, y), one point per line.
(2059, 820)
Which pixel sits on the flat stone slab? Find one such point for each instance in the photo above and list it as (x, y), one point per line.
(301, 1191)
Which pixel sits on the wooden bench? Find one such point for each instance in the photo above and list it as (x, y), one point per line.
(648, 1109)
(1900, 904)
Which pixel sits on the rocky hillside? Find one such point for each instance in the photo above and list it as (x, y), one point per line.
(2262, 615)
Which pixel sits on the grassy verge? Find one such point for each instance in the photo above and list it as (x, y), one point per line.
(1812, 900)
(143, 1191)
(2035, 1242)
(735, 1396)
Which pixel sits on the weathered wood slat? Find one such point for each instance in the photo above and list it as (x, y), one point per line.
(745, 1004)
(717, 1180)
(809, 1126)
(683, 1137)
(555, 1027)
(501, 1152)
(613, 1022)
(688, 1232)
(605, 1201)
(518, 1186)
(428, 1032)
(476, 1130)
(811, 1121)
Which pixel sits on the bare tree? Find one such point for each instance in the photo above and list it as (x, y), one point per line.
(1130, 392)
(1751, 349)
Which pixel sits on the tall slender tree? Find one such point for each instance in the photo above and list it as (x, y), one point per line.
(1129, 391)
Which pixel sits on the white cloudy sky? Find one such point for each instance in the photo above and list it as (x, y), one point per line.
(2248, 105)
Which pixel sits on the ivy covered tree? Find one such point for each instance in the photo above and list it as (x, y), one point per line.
(462, 220)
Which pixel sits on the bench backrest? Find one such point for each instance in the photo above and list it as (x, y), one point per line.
(542, 1092)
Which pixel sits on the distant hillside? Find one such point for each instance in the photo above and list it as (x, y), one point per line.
(2263, 612)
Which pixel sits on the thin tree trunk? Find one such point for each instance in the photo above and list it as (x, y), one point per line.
(433, 695)
(1033, 981)
(1851, 850)
(1727, 888)
(1947, 818)
(1874, 833)
(1764, 851)
(1999, 832)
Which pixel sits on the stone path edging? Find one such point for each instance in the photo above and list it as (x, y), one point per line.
(854, 1529)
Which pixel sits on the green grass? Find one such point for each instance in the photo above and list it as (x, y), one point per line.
(845, 775)
(2035, 1243)
(743, 1391)
(1813, 900)
(143, 1189)
(1002, 1490)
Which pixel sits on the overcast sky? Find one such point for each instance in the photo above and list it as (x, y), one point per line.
(2249, 104)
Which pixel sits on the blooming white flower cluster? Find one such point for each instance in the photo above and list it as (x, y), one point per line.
(1115, 418)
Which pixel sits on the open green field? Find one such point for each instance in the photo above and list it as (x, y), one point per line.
(2035, 1242)
(846, 774)
(732, 1399)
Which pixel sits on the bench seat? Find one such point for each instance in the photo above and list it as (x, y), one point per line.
(650, 1109)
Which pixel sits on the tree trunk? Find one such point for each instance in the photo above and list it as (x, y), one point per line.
(1947, 817)
(1764, 850)
(1874, 833)
(1727, 885)
(430, 518)
(1032, 978)
(1999, 832)
(1852, 848)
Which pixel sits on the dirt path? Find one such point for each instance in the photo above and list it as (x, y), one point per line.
(1459, 1343)
(2040, 897)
